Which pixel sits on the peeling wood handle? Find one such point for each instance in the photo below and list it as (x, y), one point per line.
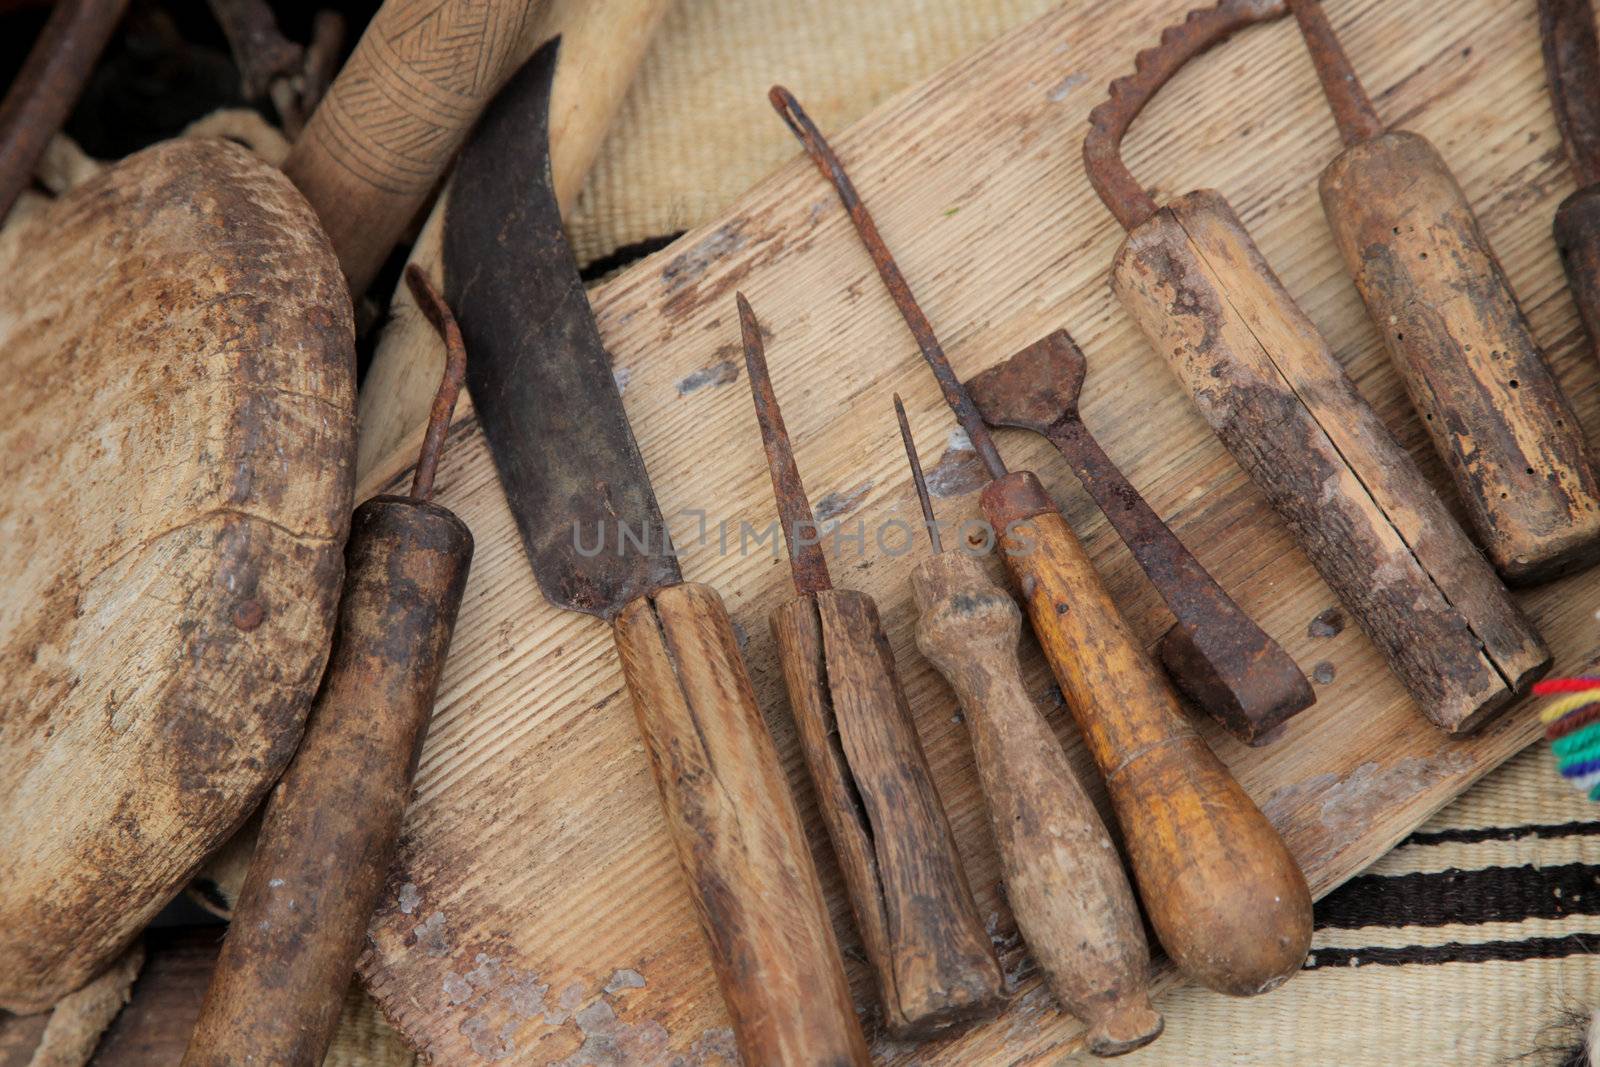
(934, 961)
(1436, 292)
(737, 833)
(1063, 877)
(1224, 896)
(331, 823)
(378, 142)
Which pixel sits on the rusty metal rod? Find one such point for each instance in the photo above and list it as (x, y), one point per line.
(51, 79)
(807, 561)
(916, 476)
(439, 317)
(821, 154)
(1352, 109)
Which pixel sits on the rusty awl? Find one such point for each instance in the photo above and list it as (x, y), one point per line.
(1216, 654)
(1572, 66)
(1436, 292)
(1225, 897)
(933, 959)
(1268, 384)
(548, 404)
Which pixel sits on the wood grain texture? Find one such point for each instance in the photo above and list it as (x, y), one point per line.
(177, 442)
(602, 44)
(1577, 232)
(535, 870)
(1437, 294)
(1063, 877)
(935, 966)
(1226, 900)
(737, 833)
(1263, 377)
(330, 825)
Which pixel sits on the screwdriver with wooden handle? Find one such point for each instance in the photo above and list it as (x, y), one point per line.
(1225, 897)
(935, 964)
(1063, 877)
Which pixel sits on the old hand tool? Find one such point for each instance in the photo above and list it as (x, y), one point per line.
(1572, 65)
(330, 826)
(1221, 659)
(935, 964)
(1225, 897)
(549, 407)
(1063, 877)
(1266, 382)
(44, 90)
(1436, 292)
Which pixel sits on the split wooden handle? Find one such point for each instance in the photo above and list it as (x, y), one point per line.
(330, 826)
(934, 961)
(1226, 899)
(1063, 877)
(737, 833)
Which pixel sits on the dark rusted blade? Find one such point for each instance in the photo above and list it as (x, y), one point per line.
(540, 379)
(1572, 64)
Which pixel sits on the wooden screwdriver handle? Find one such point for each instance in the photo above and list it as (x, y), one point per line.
(737, 833)
(934, 961)
(1225, 898)
(1063, 877)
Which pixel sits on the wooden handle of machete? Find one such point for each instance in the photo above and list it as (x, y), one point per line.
(737, 833)
(1063, 877)
(1226, 900)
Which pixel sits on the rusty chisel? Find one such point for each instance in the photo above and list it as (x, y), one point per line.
(1572, 64)
(576, 484)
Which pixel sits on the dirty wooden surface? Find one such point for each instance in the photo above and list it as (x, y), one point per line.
(537, 909)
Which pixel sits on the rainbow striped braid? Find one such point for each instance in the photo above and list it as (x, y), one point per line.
(1572, 726)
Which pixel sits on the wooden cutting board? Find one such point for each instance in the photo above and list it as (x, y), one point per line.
(536, 913)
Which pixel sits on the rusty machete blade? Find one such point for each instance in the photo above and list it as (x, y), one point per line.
(540, 379)
(1572, 65)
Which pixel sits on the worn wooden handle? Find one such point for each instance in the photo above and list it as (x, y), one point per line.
(331, 823)
(1577, 231)
(1496, 414)
(1063, 877)
(736, 831)
(1224, 896)
(934, 961)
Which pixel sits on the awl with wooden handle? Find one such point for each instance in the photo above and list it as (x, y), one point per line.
(1063, 877)
(1436, 292)
(1572, 67)
(934, 962)
(330, 827)
(1226, 899)
(548, 404)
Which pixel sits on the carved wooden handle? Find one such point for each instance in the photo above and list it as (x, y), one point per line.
(1224, 896)
(736, 831)
(1063, 877)
(934, 962)
(331, 823)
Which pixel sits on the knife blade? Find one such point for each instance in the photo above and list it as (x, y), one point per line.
(548, 404)
(1572, 68)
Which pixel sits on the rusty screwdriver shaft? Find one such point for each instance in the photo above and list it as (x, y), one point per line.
(1352, 109)
(916, 476)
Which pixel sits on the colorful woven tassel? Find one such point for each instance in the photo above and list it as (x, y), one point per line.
(1572, 726)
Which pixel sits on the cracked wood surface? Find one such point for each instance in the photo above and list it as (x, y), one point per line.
(535, 864)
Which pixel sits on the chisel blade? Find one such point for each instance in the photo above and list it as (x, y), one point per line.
(540, 379)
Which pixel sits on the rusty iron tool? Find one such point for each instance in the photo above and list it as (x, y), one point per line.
(1215, 653)
(1572, 66)
(934, 961)
(548, 404)
(49, 83)
(1452, 325)
(330, 826)
(260, 50)
(1271, 389)
(1063, 877)
(1225, 897)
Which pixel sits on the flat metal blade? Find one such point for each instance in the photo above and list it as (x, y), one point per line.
(541, 382)
(1572, 65)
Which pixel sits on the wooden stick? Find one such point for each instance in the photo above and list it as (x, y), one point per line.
(934, 962)
(1263, 377)
(602, 44)
(737, 833)
(1063, 877)
(1224, 896)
